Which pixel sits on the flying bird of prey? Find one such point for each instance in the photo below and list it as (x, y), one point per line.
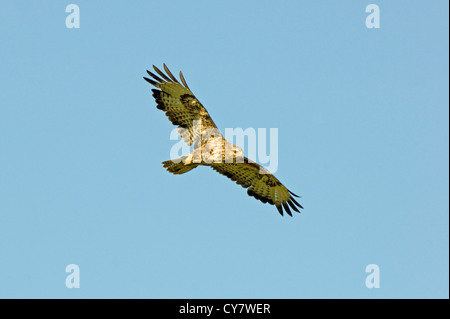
(197, 128)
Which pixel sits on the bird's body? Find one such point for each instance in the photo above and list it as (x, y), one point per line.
(216, 150)
(196, 128)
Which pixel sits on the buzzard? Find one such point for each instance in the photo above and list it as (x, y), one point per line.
(196, 128)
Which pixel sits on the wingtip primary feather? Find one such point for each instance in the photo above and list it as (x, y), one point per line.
(184, 81)
(293, 206)
(165, 77)
(150, 81)
(280, 210)
(293, 194)
(157, 78)
(286, 208)
(174, 79)
(296, 203)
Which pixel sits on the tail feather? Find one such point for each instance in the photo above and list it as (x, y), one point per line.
(177, 166)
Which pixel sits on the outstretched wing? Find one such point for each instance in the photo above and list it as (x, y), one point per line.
(181, 106)
(261, 184)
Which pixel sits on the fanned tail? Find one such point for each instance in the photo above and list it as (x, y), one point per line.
(177, 166)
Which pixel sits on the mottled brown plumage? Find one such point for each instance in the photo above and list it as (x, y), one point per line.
(195, 126)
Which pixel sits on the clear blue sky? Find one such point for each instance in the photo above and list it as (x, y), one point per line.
(362, 118)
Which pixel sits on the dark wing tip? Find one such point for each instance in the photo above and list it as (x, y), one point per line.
(286, 208)
(155, 77)
(165, 77)
(184, 81)
(293, 206)
(293, 194)
(296, 203)
(150, 81)
(280, 210)
(174, 79)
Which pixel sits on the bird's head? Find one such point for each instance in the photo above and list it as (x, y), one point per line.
(238, 153)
